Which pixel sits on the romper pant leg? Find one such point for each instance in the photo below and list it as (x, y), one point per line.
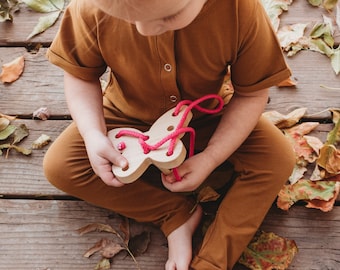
(67, 167)
(263, 163)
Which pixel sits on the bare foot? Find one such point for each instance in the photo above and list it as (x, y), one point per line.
(180, 243)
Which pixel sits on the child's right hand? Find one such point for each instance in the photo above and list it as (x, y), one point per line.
(102, 155)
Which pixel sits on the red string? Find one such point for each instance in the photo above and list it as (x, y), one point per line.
(180, 129)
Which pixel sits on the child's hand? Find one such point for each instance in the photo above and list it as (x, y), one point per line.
(193, 172)
(102, 155)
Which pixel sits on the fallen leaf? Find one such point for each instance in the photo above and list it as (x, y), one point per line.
(329, 4)
(45, 6)
(41, 113)
(104, 264)
(325, 206)
(207, 194)
(12, 71)
(305, 190)
(8, 131)
(287, 83)
(268, 251)
(96, 227)
(44, 23)
(297, 174)
(7, 8)
(42, 141)
(335, 60)
(52, 7)
(125, 229)
(140, 243)
(291, 34)
(300, 144)
(274, 9)
(285, 121)
(97, 247)
(20, 133)
(329, 159)
(111, 249)
(4, 123)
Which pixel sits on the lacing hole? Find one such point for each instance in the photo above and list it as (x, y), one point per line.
(125, 168)
(170, 128)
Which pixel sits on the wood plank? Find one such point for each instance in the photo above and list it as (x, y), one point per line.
(15, 33)
(42, 235)
(41, 85)
(316, 234)
(23, 175)
(310, 70)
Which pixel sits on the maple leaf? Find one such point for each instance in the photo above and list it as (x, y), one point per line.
(306, 190)
(268, 251)
(299, 142)
(12, 71)
(322, 205)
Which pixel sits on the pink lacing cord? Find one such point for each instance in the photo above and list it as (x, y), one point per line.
(180, 129)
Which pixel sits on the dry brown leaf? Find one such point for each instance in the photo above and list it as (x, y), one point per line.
(41, 113)
(330, 159)
(97, 247)
(12, 71)
(207, 194)
(96, 227)
(4, 123)
(140, 243)
(111, 249)
(125, 229)
(285, 121)
(42, 141)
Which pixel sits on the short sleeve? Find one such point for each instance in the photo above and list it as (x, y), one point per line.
(259, 62)
(75, 48)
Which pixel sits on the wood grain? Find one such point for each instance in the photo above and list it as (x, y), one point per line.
(43, 235)
(23, 175)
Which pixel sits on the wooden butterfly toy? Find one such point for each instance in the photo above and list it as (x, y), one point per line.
(161, 145)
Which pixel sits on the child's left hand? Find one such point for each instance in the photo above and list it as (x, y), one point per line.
(193, 173)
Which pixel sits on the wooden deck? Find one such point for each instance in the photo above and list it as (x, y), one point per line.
(38, 223)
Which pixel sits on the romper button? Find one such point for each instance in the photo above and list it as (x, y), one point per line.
(167, 67)
(173, 99)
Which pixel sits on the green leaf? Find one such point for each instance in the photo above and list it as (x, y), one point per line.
(20, 133)
(322, 46)
(335, 60)
(4, 134)
(45, 6)
(44, 23)
(315, 3)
